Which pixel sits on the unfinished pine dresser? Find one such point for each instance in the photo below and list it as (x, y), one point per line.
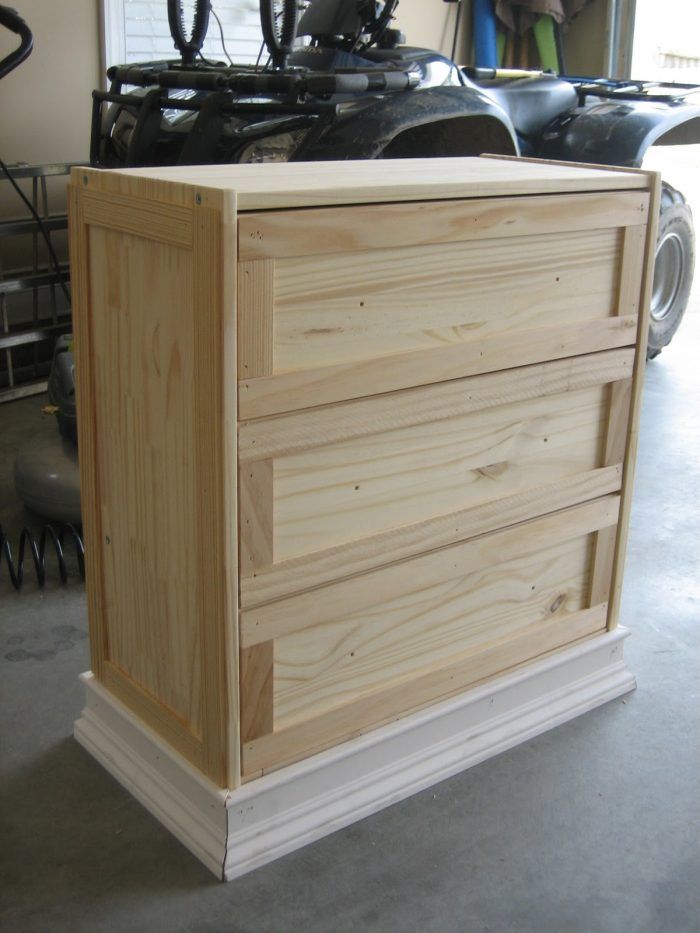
(357, 447)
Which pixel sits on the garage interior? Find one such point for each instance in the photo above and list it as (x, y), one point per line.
(592, 826)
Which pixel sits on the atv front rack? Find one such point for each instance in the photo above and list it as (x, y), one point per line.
(245, 80)
(661, 92)
(271, 102)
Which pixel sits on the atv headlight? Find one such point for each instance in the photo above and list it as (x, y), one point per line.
(273, 148)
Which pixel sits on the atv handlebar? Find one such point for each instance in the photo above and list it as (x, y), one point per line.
(11, 20)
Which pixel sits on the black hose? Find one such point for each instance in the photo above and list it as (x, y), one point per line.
(11, 20)
(37, 551)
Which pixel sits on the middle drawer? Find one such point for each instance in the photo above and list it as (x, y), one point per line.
(330, 492)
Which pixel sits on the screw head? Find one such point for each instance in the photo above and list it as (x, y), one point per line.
(198, 199)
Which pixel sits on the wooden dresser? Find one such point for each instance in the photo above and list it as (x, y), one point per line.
(357, 446)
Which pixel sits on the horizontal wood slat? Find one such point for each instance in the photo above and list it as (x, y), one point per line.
(277, 234)
(311, 570)
(285, 434)
(298, 741)
(314, 387)
(154, 220)
(285, 616)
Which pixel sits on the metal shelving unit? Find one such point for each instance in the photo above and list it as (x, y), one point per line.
(33, 309)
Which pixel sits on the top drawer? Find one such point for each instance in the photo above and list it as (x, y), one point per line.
(339, 303)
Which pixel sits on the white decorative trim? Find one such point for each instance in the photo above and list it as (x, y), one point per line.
(233, 832)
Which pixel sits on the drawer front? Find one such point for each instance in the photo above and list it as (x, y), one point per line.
(322, 666)
(342, 489)
(338, 303)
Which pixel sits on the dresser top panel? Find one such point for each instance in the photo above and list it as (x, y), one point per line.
(310, 184)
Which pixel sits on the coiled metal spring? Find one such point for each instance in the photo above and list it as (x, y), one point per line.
(50, 539)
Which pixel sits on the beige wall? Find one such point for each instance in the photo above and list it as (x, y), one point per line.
(585, 41)
(45, 103)
(430, 24)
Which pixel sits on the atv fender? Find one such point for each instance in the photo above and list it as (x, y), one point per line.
(440, 121)
(620, 132)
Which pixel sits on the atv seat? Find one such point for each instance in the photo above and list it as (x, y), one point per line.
(531, 103)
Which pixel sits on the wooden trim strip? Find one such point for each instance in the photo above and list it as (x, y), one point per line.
(615, 444)
(256, 515)
(290, 391)
(282, 435)
(301, 574)
(352, 719)
(286, 616)
(631, 269)
(162, 720)
(87, 431)
(643, 177)
(155, 220)
(309, 231)
(632, 436)
(255, 318)
(214, 407)
(257, 709)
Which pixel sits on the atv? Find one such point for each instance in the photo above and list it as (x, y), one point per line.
(353, 91)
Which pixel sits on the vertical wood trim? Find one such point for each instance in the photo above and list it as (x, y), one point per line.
(229, 247)
(604, 548)
(631, 271)
(257, 704)
(255, 318)
(87, 433)
(214, 560)
(620, 399)
(636, 403)
(256, 516)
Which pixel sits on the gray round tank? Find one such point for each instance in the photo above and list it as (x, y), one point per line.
(46, 479)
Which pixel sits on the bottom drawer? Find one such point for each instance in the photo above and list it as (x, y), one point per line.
(326, 665)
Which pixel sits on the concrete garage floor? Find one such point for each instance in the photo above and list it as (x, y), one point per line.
(590, 827)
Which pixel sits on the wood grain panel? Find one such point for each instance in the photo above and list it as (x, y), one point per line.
(290, 433)
(88, 430)
(257, 701)
(287, 616)
(255, 318)
(299, 184)
(356, 652)
(632, 429)
(166, 418)
(256, 515)
(357, 306)
(213, 315)
(158, 717)
(155, 220)
(144, 366)
(311, 570)
(279, 234)
(619, 406)
(327, 384)
(352, 489)
(345, 722)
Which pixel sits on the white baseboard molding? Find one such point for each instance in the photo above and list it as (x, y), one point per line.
(233, 832)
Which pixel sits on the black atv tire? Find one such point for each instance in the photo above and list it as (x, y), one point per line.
(673, 272)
